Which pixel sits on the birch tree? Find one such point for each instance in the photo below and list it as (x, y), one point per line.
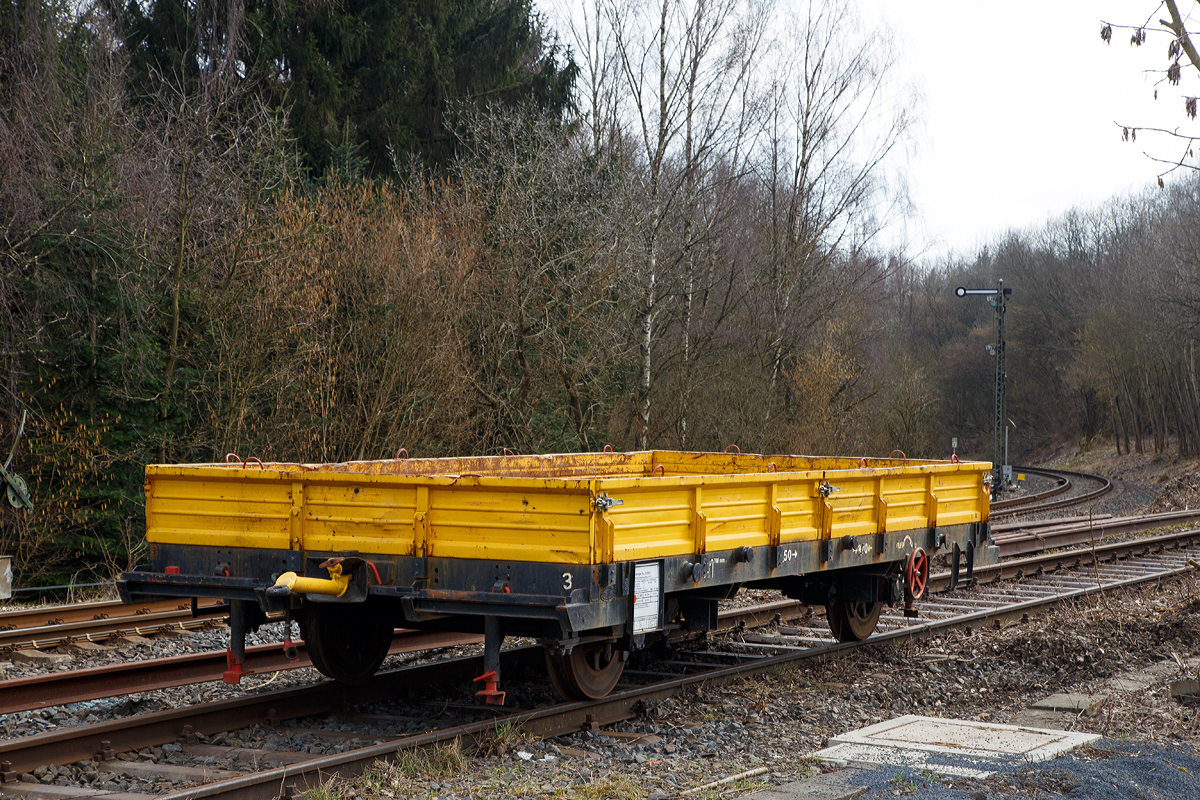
(685, 69)
(837, 119)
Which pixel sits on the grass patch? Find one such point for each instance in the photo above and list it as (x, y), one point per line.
(504, 737)
(617, 788)
(438, 761)
(332, 789)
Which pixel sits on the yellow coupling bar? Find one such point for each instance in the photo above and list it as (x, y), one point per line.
(290, 582)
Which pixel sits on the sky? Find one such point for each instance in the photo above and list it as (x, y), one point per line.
(1021, 101)
(1020, 112)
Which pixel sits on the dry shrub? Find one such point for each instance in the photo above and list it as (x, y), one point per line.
(830, 386)
(348, 347)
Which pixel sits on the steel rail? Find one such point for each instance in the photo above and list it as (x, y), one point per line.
(83, 742)
(1019, 506)
(564, 718)
(98, 611)
(142, 620)
(1020, 567)
(114, 680)
(1014, 539)
(69, 686)
(99, 631)
(72, 686)
(79, 743)
(1064, 483)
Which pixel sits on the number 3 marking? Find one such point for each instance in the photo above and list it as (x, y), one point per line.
(567, 581)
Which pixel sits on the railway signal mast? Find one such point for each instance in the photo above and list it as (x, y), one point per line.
(1001, 470)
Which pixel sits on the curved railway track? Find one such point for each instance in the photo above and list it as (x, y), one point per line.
(1066, 482)
(1041, 581)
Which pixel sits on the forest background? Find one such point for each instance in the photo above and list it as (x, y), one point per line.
(316, 232)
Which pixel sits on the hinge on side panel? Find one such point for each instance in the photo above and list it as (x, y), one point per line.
(825, 489)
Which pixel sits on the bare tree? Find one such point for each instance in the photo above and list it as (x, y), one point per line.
(1179, 47)
(548, 330)
(685, 69)
(837, 117)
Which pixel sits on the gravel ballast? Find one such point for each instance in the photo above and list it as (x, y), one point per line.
(766, 725)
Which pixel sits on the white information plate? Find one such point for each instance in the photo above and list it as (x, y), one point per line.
(647, 596)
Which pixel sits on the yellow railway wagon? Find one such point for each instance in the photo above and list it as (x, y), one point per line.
(593, 554)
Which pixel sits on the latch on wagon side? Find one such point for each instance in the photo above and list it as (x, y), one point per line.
(604, 502)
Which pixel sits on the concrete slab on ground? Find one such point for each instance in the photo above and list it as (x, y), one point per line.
(922, 761)
(1051, 720)
(32, 655)
(827, 786)
(1071, 703)
(1151, 676)
(948, 746)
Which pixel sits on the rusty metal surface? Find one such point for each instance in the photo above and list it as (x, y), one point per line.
(1063, 484)
(98, 630)
(144, 730)
(1013, 540)
(71, 686)
(557, 719)
(1027, 506)
(100, 612)
(1048, 562)
(76, 744)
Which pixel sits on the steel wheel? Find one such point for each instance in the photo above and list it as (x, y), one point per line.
(588, 672)
(853, 622)
(346, 641)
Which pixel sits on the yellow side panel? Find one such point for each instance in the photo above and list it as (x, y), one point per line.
(959, 498)
(854, 511)
(653, 522)
(736, 516)
(372, 518)
(221, 513)
(798, 504)
(906, 502)
(510, 525)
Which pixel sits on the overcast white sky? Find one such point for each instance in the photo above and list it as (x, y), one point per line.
(1021, 101)
(1021, 98)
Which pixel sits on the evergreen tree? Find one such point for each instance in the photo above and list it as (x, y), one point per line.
(390, 75)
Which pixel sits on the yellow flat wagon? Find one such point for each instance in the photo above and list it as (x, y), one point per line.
(593, 554)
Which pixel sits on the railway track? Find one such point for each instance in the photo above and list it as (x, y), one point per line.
(1079, 487)
(1040, 581)
(51, 626)
(70, 686)
(1021, 538)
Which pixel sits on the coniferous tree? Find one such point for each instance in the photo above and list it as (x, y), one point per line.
(390, 75)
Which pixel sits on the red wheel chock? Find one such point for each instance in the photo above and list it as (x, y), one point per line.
(234, 670)
(491, 695)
